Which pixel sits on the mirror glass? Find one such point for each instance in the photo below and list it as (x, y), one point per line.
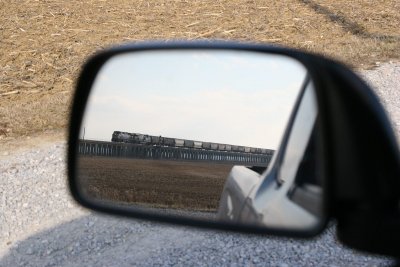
(220, 135)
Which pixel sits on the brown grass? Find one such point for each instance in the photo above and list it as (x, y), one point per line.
(44, 43)
(157, 183)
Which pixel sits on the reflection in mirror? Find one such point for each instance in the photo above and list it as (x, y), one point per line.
(199, 133)
(289, 195)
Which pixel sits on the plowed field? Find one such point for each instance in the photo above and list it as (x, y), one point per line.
(157, 183)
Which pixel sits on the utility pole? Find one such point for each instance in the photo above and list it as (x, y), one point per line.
(83, 138)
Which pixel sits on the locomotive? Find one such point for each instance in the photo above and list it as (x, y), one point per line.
(144, 139)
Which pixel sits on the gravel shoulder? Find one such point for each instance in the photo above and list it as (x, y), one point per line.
(40, 225)
(385, 80)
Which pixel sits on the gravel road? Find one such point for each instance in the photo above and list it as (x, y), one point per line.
(40, 225)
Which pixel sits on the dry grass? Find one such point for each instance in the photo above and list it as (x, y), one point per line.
(44, 43)
(158, 183)
(379, 18)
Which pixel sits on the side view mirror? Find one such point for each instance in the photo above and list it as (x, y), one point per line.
(234, 136)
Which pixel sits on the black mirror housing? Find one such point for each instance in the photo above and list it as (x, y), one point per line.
(359, 155)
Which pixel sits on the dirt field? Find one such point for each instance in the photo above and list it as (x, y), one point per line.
(158, 183)
(44, 43)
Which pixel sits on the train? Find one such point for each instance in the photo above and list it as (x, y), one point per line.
(145, 139)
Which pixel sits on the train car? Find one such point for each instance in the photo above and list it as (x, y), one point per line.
(206, 145)
(213, 146)
(252, 150)
(221, 147)
(139, 138)
(166, 141)
(247, 149)
(235, 148)
(155, 140)
(179, 142)
(228, 147)
(143, 139)
(122, 137)
(147, 139)
(133, 138)
(240, 149)
(188, 143)
(115, 136)
(198, 144)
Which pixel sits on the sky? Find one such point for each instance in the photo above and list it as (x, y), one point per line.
(223, 96)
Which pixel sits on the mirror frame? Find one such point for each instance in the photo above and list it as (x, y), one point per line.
(317, 72)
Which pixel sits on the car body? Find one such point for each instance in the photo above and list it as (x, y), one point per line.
(267, 198)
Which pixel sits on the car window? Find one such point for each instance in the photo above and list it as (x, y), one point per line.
(300, 134)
